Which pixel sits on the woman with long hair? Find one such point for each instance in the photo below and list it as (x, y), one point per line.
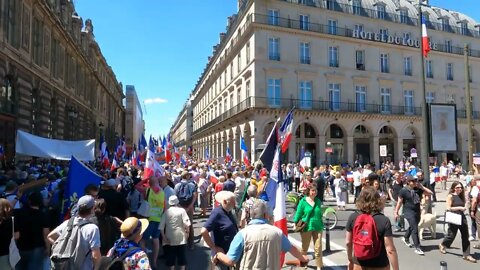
(456, 203)
(5, 232)
(309, 210)
(369, 202)
(109, 226)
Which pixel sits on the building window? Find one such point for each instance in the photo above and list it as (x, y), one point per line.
(450, 71)
(357, 7)
(429, 68)
(239, 62)
(384, 68)
(304, 22)
(13, 22)
(381, 12)
(274, 92)
(334, 96)
(333, 56)
(231, 100)
(274, 49)
(247, 48)
(464, 28)
(6, 96)
(430, 97)
(386, 106)
(37, 41)
(407, 66)
(403, 15)
(448, 46)
(330, 4)
(273, 16)
(332, 27)
(445, 24)
(360, 60)
(361, 98)
(247, 89)
(231, 71)
(409, 104)
(305, 94)
(304, 52)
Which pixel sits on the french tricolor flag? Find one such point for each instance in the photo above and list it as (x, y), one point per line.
(279, 211)
(244, 149)
(286, 131)
(425, 42)
(228, 156)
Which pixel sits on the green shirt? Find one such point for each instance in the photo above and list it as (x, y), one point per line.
(315, 223)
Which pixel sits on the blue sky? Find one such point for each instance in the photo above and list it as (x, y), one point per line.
(161, 47)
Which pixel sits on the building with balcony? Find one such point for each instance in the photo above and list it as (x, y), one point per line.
(351, 68)
(181, 130)
(134, 123)
(54, 80)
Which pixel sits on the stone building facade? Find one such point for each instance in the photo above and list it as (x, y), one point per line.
(54, 80)
(351, 68)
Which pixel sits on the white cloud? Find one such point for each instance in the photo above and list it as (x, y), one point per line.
(155, 100)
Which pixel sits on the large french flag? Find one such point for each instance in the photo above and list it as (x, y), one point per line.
(286, 131)
(279, 211)
(244, 149)
(228, 156)
(269, 152)
(151, 165)
(425, 42)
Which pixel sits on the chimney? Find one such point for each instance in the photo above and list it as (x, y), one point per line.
(222, 37)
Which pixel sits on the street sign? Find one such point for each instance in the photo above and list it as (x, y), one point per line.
(383, 150)
(329, 150)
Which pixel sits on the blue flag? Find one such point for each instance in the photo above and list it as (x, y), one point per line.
(79, 176)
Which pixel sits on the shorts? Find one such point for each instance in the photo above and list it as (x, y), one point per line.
(175, 254)
(152, 230)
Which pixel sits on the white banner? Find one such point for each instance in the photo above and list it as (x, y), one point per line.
(31, 145)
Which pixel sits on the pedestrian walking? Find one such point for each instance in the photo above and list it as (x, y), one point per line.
(456, 204)
(409, 198)
(309, 211)
(371, 204)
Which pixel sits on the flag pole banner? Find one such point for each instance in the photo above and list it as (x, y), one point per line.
(31, 145)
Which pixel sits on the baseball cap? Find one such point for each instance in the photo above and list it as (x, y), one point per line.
(86, 202)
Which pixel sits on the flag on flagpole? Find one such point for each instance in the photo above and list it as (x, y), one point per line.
(286, 131)
(269, 151)
(152, 167)
(228, 156)
(425, 41)
(106, 161)
(212, 177)
(244, 149)
(114, 164)
(207, 154)
(277, 196)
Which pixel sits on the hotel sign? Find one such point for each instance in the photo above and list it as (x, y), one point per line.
(390, 39)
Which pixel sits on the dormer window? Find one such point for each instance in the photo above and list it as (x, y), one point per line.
(356, 7)
(404, 16)
(464, 28)
(445, 24)
(381, 12)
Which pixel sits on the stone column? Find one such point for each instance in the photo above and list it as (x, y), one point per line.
(398, 150)
(350, 155)
(252, 149)
(321, 156)
(375, 151)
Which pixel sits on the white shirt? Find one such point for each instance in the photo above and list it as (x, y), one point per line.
(175, 222)
(357, 181)
(474, 194)
(443, 171)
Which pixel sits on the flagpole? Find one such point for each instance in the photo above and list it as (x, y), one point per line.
(425, 138)
(468, 100)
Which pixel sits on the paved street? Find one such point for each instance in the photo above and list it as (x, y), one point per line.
(337, 258)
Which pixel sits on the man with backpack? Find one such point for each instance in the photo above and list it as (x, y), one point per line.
(186, 192)
(76, 242)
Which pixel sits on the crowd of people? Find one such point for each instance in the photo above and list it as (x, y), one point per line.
(140, 217)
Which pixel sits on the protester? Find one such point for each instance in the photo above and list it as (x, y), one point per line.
(88, 247)
(5, 233)
(186, 192)
(107, 225)
(117, 205)
(409, 198)
(203, 184)
(475, 205)
(370, 203)
(309, 210)
(31, 230)
(134, 198)
(340, 190)
(245, 216)
(174, 227)
(456, 204)
(393, 192)
(265, 244)
(132, 230)
(155, 196)
(221, 224)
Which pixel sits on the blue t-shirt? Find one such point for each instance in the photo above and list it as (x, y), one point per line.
(223, 226)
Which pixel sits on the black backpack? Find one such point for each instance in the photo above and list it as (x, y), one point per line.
(184, 194)
(115, 263)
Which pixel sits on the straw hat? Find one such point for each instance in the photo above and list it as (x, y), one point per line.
(132, 227)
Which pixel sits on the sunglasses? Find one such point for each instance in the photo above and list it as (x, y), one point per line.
(459, 187)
